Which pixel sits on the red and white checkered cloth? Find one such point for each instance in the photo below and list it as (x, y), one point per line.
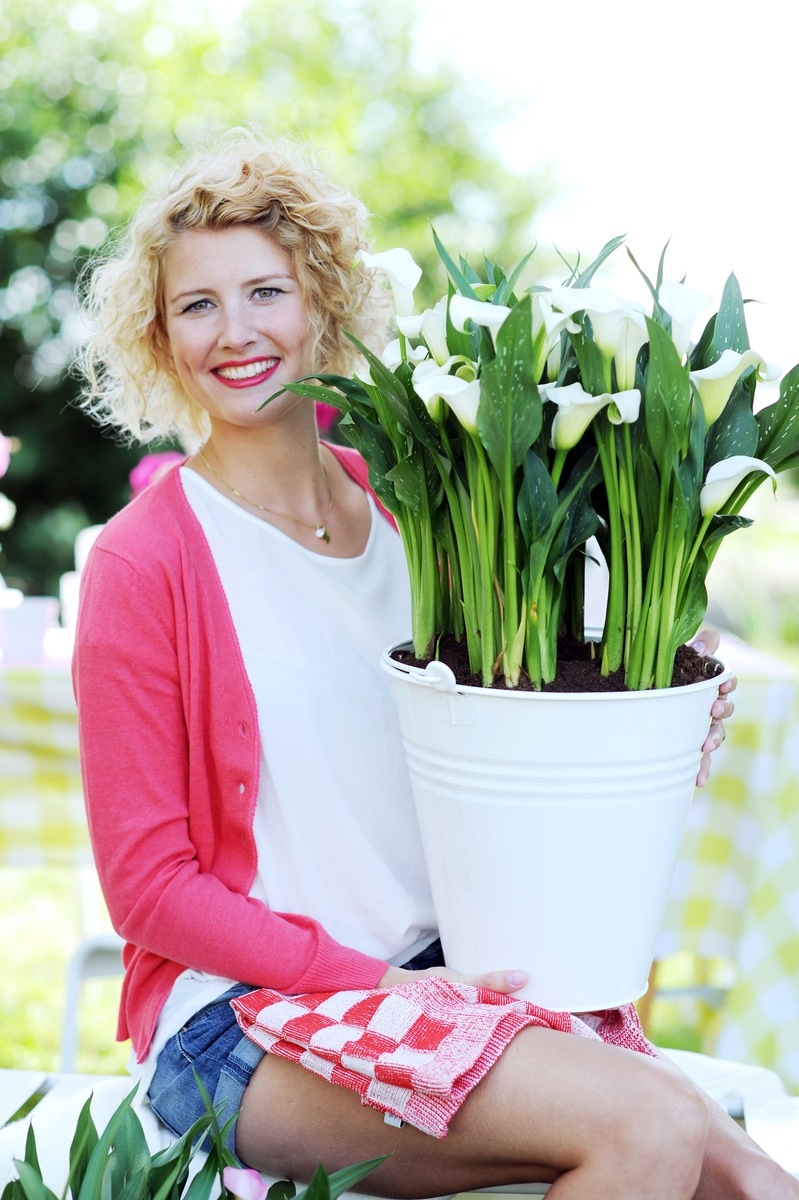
(415, 1050)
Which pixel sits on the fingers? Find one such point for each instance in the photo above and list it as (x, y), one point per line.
(706, 641)
(498, 981)
(703, 774)
(722, 709)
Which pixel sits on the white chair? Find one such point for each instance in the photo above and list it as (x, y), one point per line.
(95, 957)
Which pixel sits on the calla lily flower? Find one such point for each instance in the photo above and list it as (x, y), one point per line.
(683, 304)
(402, 272)
(434, 385)
(620, 334)
(723, 478)
(547, 328)
(491, 316)
(245, 1183)
(715, 383)
(577, 409)
(619, 326)
(392, 355)
(590, 300)
(432, 326)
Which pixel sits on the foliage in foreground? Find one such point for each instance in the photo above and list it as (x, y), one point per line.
(119, 1164)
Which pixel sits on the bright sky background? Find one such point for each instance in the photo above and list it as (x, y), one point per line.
(659, 121)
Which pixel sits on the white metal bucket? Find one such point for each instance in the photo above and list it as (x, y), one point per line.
(551, 824)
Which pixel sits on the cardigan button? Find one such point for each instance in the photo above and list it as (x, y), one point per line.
(243, 729)
(241, 789)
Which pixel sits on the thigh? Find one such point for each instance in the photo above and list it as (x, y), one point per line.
(549, 1101)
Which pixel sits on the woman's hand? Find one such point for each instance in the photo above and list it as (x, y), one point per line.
(496, 981)
(706, 642)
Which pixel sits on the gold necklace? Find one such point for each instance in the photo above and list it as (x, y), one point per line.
(320, 530)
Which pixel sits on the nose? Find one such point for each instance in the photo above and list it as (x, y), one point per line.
(236, 330)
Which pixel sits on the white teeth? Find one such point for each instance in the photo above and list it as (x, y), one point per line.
(247, 372)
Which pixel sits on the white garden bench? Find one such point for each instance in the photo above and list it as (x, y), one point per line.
(751, 1094)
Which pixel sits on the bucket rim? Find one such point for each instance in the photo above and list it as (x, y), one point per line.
(420, 677)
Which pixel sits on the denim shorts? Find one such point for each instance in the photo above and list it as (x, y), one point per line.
(212, 1044)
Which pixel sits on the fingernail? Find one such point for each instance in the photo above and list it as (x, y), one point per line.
(700, 647)
(516, 978)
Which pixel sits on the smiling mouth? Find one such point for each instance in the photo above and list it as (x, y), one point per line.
(247, 371)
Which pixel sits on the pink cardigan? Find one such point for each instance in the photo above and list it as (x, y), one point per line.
(170, 757)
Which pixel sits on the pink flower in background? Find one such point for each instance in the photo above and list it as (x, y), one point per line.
(6, 446)
(244, 1183)
(150, 468)
(325, 415)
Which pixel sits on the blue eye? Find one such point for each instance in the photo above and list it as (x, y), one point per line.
(197, 306)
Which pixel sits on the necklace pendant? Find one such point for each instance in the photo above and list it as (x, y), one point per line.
(322, 534)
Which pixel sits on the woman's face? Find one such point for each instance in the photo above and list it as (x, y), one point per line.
(235, 321)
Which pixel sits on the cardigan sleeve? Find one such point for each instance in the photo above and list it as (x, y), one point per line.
(170, 856)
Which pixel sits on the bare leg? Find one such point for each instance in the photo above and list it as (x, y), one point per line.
(597, 1121)
(735, 1168)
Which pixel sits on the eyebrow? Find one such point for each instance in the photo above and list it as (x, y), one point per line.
(261, 281)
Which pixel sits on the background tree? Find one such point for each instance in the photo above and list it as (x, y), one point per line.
(96, 98)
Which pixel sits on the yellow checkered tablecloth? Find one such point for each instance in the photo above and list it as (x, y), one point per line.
(735, 893)
(42, 818)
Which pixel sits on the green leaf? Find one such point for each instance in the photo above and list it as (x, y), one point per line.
(375, 447)
(778, 425)
(585, 277)
(92, 1184)
(729, 332)
(735, 431)
(31, 1184)
(722, 524)
(667, 398)
(537, 501)
(82, 1147)
(694, 605)
(589, 360)
(131, 1152)
(647, 486)
(330, 1187)
(31, 1154)
(510, 414)
(203, 1182)
(504, 294)
(455, 273)
(284, 1189)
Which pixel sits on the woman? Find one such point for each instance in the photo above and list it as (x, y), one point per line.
(246, 790)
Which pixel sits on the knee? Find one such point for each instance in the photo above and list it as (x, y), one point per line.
(670, 1131)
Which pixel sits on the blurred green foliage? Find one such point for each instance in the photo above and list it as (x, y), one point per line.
(97, 97)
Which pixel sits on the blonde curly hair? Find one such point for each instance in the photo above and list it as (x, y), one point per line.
(132, 385)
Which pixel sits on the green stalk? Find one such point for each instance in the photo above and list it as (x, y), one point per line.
(632, 523)
(509, 583)
(664, 666)
(642, 665)
(613, 636)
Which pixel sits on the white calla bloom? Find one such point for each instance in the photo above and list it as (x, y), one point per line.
(620, 334)
(624, 407)
(590, 300)
(434, 384)
(547, 328)
(715, 383)
(402, 272)
(430, 325)
(392, 355)
(577, 409)
(723, 478)
(463, 309)
(683, 304)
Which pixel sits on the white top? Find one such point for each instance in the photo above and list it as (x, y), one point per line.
(335, 826)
